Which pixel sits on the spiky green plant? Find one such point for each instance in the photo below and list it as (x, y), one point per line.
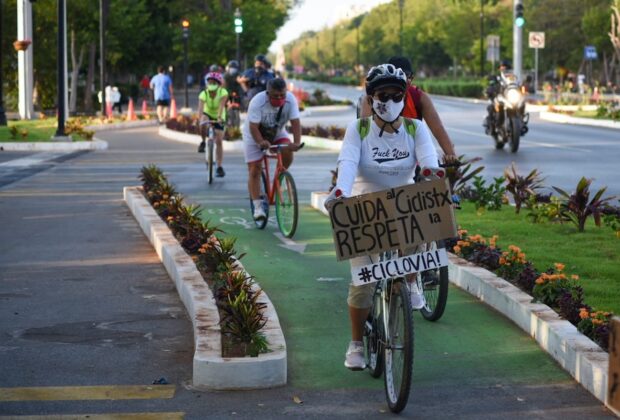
(577, 206)
(521, 187)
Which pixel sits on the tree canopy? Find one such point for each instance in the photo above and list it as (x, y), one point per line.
(440, 34)
(140, 34)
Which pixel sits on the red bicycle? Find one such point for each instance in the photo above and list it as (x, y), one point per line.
(279, 191)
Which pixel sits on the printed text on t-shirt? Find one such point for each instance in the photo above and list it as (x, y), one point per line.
(387, 155)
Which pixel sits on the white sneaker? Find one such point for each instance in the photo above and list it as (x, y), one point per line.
(259, 213)
(417, 296)
(354, 359)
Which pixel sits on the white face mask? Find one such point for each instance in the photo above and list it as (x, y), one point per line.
(388, 111)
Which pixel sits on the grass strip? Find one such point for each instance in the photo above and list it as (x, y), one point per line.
(594, 255)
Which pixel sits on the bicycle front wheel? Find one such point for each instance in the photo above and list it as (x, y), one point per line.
(373, 337)
(435, 285)
(287, 210)
(398, 352)
(209, 159)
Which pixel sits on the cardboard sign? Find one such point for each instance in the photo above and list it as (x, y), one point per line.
(398, 218)
(613, 378)
(399, 267)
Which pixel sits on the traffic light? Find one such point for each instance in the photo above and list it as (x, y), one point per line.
(185, 26)
(519, 19)
(238, 22)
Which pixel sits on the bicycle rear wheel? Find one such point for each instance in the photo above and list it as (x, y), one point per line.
(209, 159)
(265, 203)
(398, 352)
(373, 337)
(435, 285)
(287, 210)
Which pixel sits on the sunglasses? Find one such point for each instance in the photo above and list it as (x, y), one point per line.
(384, 97)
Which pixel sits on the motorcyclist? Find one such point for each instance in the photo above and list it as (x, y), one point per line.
(494, 88)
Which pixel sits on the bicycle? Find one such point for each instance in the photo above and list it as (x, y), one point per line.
(433, 283)
(281, 192)
(388, 339)
(209, 150)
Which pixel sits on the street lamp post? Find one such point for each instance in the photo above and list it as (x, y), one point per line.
(238, 30)
(60, 130)
(185, 25)
(2, 114)
(400, 7)
(481, 38)
(103, 12)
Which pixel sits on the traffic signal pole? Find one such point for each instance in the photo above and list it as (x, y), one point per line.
(517, 38)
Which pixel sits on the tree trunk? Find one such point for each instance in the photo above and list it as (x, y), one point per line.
(76, 64)
(90, 78)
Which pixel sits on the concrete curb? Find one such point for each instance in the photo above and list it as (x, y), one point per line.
(41, 146)
(95, 144)
(567, 119)
(210, 370)
(576, 353)
(237, 145)
(125, 125)
(195, 139)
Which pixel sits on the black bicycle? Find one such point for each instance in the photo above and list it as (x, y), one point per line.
(434, 283)
(388, 339)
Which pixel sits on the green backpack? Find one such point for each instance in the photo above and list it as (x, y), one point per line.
(363, 127)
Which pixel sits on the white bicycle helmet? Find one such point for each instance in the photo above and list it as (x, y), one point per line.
(385, 75)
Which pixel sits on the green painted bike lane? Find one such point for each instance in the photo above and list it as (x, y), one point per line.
(471, 344)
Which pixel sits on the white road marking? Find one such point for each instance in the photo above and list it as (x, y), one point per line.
(290, 244)
(330, 279)
(523, 142)
(32, 159)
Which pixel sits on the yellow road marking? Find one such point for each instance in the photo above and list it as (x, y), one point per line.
(109, 416)
(66, 393)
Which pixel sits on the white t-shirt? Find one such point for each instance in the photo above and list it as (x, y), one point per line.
(261, 111)
(377, 163)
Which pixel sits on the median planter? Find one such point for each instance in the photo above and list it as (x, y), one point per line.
(210, 369)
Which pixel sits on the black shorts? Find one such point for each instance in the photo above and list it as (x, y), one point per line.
(216, 125)
(163, 102)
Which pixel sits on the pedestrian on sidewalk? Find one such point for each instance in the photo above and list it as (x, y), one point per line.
(162, 91)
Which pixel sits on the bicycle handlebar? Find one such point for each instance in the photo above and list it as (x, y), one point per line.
(282, 146)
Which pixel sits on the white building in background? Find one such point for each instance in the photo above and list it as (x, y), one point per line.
(280, 64)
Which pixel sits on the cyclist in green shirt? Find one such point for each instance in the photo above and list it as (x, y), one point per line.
(212, 101)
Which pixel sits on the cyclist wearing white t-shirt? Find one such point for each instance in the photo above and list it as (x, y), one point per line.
(268, 113)
(377, 153)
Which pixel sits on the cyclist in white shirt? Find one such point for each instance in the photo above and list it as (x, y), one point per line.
(268, 113)
(379, 153)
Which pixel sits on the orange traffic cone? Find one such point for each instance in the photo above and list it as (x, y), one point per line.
(131, 113)
(145, 109)
(108, 110)
(173, 108)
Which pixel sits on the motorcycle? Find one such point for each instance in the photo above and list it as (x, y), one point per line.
(507, 120)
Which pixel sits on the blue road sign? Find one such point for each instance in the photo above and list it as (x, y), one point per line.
(589, 52)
